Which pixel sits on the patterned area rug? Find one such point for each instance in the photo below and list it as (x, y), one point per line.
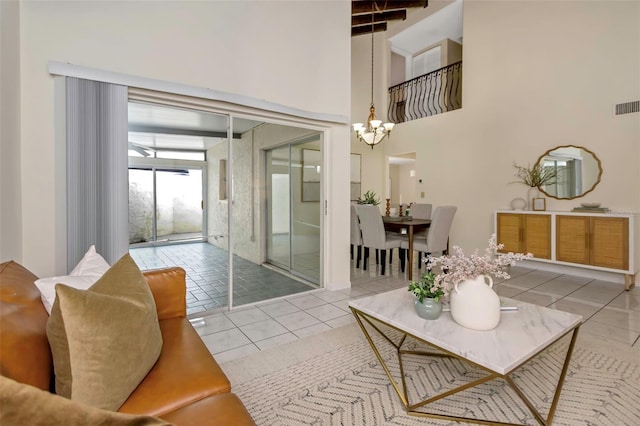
(335, 379)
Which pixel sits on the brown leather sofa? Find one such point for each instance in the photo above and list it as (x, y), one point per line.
(185, 387)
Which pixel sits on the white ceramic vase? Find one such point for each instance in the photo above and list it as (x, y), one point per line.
(518, 204)
(474, 304)
(532, 193)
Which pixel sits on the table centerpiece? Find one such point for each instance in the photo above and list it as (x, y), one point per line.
(468, 280)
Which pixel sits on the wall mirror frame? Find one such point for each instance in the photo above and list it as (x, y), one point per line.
(578, 171)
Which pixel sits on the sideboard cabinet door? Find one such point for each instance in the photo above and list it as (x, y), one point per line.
(537, 235)
(510, 232)
(525, 233)
(610, 242)
(572, 239)
(592, 240)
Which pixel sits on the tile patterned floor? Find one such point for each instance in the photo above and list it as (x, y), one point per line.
(608, 310)
(207, 274)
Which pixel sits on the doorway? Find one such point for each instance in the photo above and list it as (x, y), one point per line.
(214, 163)
(165, 205)
(294, 212)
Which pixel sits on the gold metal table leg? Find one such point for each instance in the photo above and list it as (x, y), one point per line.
(411, 408)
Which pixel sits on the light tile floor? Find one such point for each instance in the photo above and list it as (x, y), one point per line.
(608, 310)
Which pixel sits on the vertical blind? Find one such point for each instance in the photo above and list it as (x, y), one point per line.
(97, 169)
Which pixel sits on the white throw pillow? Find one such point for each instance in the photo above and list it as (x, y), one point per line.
(91, 263)
(90, 268)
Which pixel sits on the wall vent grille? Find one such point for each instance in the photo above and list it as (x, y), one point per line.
(628, 107)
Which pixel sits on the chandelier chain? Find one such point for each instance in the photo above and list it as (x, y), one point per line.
(373, 131)
(372, 32)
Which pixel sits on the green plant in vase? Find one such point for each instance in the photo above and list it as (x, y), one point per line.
(426, 287)
(428, 293)
(369, 197)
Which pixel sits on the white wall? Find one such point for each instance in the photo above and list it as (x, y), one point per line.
(374, 165)
(407, 184)
(534, 78)
(264, 49)
(10, 199)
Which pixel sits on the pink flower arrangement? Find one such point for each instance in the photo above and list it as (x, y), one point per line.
(458, 266)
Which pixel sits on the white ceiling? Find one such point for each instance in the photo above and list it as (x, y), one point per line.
(177, 119)
(445, 23)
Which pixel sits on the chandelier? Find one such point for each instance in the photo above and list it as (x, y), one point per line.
(374, 132)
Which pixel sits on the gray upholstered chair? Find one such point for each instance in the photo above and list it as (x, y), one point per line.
(437, 240)
(374, 235)
(356, 235)
(421, 211)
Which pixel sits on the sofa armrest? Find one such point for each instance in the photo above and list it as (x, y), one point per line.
(169, 288)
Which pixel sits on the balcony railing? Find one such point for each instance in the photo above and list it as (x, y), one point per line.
(430, 94)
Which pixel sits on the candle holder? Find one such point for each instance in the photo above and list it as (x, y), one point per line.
(388, 210)
(400, 210)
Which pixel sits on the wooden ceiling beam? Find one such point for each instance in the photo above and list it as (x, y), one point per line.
(366, 6)
(378, 17)
(366, 29)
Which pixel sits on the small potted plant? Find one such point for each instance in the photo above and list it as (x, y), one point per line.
(369, 197)
(428, 294)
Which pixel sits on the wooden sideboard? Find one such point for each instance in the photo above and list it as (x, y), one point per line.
(590, 240)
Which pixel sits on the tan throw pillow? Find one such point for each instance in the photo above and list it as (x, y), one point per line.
(26, 405)
(104, 340)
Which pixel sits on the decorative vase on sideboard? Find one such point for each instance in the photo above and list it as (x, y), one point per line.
(532, 193)
(428, 308)
(474, 304)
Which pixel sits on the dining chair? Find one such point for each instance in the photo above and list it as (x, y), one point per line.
(356, 236)
(374, 235)
(421, 211)
(437, 240)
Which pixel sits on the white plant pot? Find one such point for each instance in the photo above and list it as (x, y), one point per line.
(475, 305)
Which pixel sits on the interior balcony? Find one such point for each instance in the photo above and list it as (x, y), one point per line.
(429, 94)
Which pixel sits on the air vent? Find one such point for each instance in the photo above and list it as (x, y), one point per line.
(628, 107)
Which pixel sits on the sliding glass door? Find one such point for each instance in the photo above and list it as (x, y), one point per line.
(278, 167)
(165, 205)
(199, 177)
(294, 207)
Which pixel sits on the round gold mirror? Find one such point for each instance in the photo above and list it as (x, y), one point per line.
(577, 171)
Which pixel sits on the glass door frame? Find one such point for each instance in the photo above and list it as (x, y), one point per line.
(322, 132)
(158, 164)
(269, 256)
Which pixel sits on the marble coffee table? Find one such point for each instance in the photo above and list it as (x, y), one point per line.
(521, 335)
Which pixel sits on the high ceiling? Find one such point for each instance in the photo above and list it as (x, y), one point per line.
(363, 12)
(443, 23)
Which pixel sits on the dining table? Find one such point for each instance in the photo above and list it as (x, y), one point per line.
(410, 225)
